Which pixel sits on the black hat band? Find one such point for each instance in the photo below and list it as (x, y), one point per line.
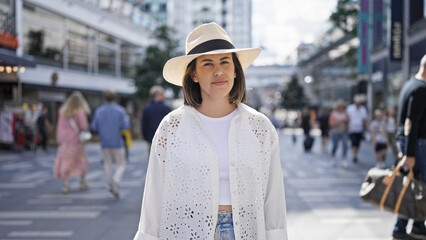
(211, 45)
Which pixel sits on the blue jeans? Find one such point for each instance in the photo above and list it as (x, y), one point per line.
(335, 138)
(420, 168)
(224, 227)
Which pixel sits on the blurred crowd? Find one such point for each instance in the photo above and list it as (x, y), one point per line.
(341, 126)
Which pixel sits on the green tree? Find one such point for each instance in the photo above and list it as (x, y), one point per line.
(293, 96)
(150, 71)
(345, 16)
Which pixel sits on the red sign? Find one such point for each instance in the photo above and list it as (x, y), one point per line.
(8, 40)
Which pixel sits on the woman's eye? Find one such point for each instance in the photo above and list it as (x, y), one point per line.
(207, 64)
(224, 62)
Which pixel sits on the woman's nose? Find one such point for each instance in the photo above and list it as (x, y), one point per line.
(218, 71)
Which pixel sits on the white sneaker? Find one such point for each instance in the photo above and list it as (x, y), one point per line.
(66, 188)
(115, 191)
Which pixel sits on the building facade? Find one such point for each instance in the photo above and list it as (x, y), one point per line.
(12, 61)
(327, 68)
(54, 47)
(185, 15)
(155, 8)
(265, 83)
(398, 43)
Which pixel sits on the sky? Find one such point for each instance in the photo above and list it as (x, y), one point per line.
(279, 26)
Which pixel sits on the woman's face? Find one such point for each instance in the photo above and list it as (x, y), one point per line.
(340, 108)
(215, 74)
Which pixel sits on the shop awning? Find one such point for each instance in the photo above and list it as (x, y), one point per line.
(9, 58)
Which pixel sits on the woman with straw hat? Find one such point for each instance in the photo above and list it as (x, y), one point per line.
(214, 170)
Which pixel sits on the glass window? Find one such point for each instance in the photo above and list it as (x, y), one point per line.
(126, 58)
(131, 55)
(43, 38)
(147, 7)
(417, 11)
(424, 8)
(6, 16)
(91, 49)
(163, 7)
(106, 60)
(105, 37)
(77, 44)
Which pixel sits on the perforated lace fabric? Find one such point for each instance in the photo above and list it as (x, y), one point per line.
(181, 195)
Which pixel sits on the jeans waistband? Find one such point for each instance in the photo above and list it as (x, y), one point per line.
(224, 217)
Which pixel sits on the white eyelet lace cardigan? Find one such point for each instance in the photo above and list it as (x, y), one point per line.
(181, 195)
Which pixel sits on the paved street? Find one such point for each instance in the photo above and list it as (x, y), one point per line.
(322, 200)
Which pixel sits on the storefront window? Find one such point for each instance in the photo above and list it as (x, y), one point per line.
(77, 46)
(43, 37)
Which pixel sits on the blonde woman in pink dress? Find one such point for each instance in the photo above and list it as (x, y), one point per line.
(71, 160)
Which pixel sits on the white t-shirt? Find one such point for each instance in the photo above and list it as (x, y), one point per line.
(218, 129)
(390, 125)
(356, 118)
(379, 129)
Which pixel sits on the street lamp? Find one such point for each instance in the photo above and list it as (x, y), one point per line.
(308, 79)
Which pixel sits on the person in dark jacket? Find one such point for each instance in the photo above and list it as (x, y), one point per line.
(324, 126)
(42, 128)
(306, 124)
(411, 135)
(153, 113)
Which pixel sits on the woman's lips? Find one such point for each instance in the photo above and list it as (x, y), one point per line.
(219, 83)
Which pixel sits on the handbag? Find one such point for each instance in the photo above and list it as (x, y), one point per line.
(84, 135)
(395, 192)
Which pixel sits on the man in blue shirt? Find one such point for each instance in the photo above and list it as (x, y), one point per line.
(153, 113)
(108, 121)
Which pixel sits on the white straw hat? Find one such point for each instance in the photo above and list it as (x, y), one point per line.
(208, 38)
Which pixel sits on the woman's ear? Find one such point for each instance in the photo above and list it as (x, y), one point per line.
(194, 77)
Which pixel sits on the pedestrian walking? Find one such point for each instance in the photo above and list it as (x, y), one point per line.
(358, 123)
(43, 126)
(411, 135)
(391, 132)
(71, 159)
(323, 122)
(108, 121)
(153, 113)
(214, 170)
(294, 124)
(339, 120)
(379, 138)
(306, 124)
